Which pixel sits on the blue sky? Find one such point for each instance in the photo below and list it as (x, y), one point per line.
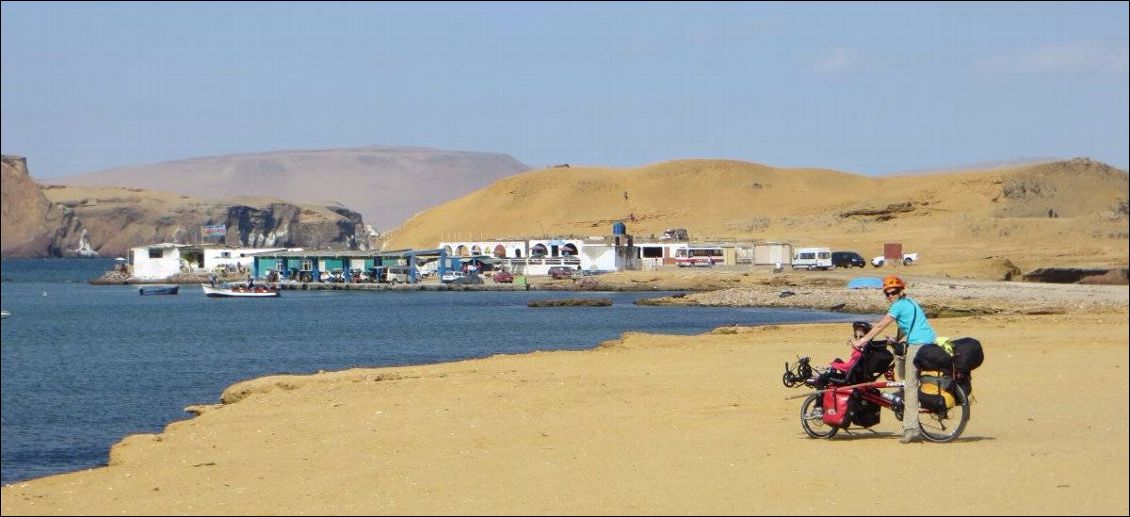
(869, 88)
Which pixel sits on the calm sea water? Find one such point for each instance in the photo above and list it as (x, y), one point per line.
(83, 366)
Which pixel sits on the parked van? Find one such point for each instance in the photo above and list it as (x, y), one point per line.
(812, 258)
(390, 274)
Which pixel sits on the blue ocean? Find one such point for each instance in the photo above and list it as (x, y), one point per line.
(84, 366)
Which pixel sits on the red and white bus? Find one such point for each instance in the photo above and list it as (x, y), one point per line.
(705, 256)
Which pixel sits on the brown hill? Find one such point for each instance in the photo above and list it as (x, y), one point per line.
(117, 219)
(385, 184)
(30, 224)
(973, 223)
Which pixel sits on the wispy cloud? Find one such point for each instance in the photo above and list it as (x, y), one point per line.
(840, 60)
(1083, 58)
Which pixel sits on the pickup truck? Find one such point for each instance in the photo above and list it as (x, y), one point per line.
(907, 259)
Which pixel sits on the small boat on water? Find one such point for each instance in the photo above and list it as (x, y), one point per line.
(5, 314)
(240, 291)
(158, 289)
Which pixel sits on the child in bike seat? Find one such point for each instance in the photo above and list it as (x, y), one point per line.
(851, 371)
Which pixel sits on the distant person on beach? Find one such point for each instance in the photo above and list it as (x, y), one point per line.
(913, 327)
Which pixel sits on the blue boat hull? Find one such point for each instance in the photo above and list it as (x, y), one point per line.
(165, 289)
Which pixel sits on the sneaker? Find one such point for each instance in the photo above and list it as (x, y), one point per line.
(909, 436)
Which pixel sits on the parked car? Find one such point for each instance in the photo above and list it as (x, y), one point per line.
(559, 272)
(847, 259)
(451, 276)
(907, 259)
(503, 277)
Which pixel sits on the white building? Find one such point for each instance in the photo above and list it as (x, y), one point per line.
(536, 256)
(161, 261)
(497, 249)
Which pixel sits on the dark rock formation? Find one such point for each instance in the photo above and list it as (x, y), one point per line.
(880, 214)
(1054, 275)
(286, 225)
(572, 302)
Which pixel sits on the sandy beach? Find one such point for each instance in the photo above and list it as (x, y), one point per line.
(647, 424)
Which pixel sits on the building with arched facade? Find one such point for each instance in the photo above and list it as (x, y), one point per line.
(536, 256)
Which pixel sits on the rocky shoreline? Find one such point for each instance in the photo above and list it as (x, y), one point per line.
(940, 297)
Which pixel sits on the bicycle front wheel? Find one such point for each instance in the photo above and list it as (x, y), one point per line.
(812, 418)
(946, 425)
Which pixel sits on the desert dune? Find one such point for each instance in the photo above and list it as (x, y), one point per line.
(975, 224)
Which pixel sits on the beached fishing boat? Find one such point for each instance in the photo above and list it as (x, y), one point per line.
(158, 289)
(239, 291)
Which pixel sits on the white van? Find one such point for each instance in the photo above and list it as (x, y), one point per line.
(812, 258)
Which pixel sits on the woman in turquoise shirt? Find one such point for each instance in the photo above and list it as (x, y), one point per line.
(914, 328)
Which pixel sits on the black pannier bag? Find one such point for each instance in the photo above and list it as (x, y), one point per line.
(933, 357)
(866, 413)
(967, 354)
(965, 380)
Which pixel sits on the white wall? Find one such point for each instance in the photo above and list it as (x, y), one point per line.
(599, 257)
(147, 268)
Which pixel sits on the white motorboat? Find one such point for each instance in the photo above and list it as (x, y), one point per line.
(240, 291)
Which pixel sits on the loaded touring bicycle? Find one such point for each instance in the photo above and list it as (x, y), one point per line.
(851, 394)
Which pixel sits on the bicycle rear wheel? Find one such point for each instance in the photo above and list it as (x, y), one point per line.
(946, 425)
(812, 418)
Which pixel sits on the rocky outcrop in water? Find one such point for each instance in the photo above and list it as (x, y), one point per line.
(30, 224)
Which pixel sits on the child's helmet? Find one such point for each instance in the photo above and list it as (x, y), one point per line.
(861, 325)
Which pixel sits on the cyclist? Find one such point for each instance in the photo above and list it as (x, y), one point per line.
(913, 327)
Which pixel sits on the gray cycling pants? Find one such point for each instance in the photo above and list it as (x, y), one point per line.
(910, 389)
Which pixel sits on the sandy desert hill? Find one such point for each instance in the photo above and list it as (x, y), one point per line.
(385, 184)
(965, 223)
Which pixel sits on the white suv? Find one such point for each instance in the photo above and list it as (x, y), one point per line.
(452, 276)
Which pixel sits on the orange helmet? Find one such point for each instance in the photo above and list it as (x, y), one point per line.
(893, 282)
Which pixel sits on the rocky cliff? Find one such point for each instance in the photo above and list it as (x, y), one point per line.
(30, 224)
(60, 221)
(118, 219)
